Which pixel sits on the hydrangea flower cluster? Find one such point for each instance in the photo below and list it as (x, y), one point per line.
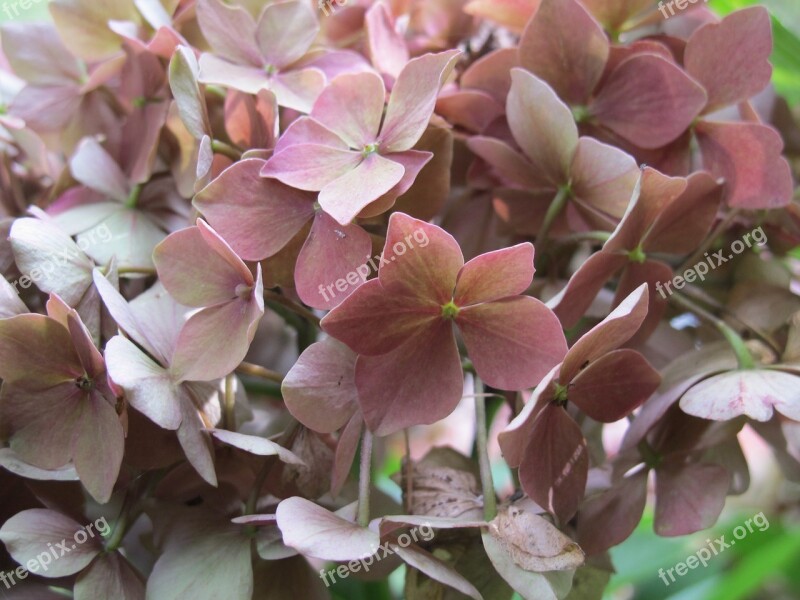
(248, 245)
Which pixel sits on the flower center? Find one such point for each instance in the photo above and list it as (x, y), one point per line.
(370, 149)
(450, 310)
(243, 291)
(84, 383)
(560, 395)
(637, 255)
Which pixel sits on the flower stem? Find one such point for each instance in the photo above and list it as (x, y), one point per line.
(364, 478)
(554, 210)
(230, 404)
(247, 368)
(482, 438)
(225, 149)
(737, 344)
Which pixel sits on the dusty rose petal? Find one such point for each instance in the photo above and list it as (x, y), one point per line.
(47, 62)
(567, 48)
(613, 331)
(218, 71)
(391, 400)
(435, 569)
(651, 273)
(413, 100)
(510, 13)
(495, 275)
(413, 161)
(603, 176)
(689, 497)
(190, 99)
(748, 157)
(352, 106)
(731, 58)
(311, 167)
(371, 306)
(94, 168)
(509, 164)
(542, 126)
(512, 342)
(421, 260)
(347, 196)
(554, 469)
(649, 101)
(298, 89)
(251, 122)
(611, 387)
(472, 109)
(230, 30)
(306, 130)
(110, 576)
(256, 215)
(36, 348)
(255, 445)
(386, 46)
(332, 253)
(285, 32)
(346, 452)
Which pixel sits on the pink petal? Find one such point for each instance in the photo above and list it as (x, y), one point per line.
(386, 46)
(94, 168)
(427, 260)
(314, 531)
(611, 387)
(649, 101)
(311, 167)
(347, 196)
(567, 48)
(298, 89)
(190, 99)
(111, 576)
(38, 349)
(492, 74)
(542, 125)
(554, 470)
(689, 497)
(256, 215)
(512, 166)
(391, 400)
(255, 445)
(731, 58)
(98, 447)
(230, 30)
(44, 63)
(218, 71)
(471, 109)
(332, 253)
(603, 177)
(413, 100)
(436, 569)
(306, 130)
(319, 390)
(285, 32)
(371, 307)
(509, 13)
(352, 106)
(613, 331)
(251, 122)
(512, 342)
(495, 275)
(346, 448)
(753, 393)
(749, 157)
(413, 161)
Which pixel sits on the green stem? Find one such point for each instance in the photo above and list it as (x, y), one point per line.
(737, 344)
(230, 404)
(482, 438)
(220, 147)
(364, 482)
(554, 210)
(133, 198)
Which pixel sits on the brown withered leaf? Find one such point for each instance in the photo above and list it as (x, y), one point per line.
(533, 542)
(445, 492)
(310, 480)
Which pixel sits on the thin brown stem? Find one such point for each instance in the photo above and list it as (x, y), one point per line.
(247, 368)
(296, 308)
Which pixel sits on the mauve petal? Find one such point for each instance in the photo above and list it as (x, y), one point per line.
(10, 303)
(749, 157)
(352, 106)
(43, 63)
(556, 463)
(320, 390)
(191, 101)
(512, 342)
(230, 30)
(83, 26)
(648, 100)
(34, 532)
(413, 100)
(346, 448)
(542, 125)
(391, 400)
(195, 439)
(98, 447)
(193, 272)
(311, 167)
(613, 331)
(471, 109)
(509, 13)
(651, 273)
(251, 122)
(567, 48)
(306, 130)
(495, 275)
(36, 349)
(148, 387)
(413, 161)
(94, 168)
(428, 270)
(571, 303)
(614, 14)
(435, 568)
(386, 47)
(331, 253)
(315, 531)
(218, 71)
(347, 196)
(687, 220)
(46, 109)
(611, 387)
(298, 89)
(215, 340)
(753, 393)
(492, 74)
(509, 164)
(110, 576)
(285, 32)
(256, 215)
(370, 308)
(689, 498)
(603, 177)
(731, 58)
